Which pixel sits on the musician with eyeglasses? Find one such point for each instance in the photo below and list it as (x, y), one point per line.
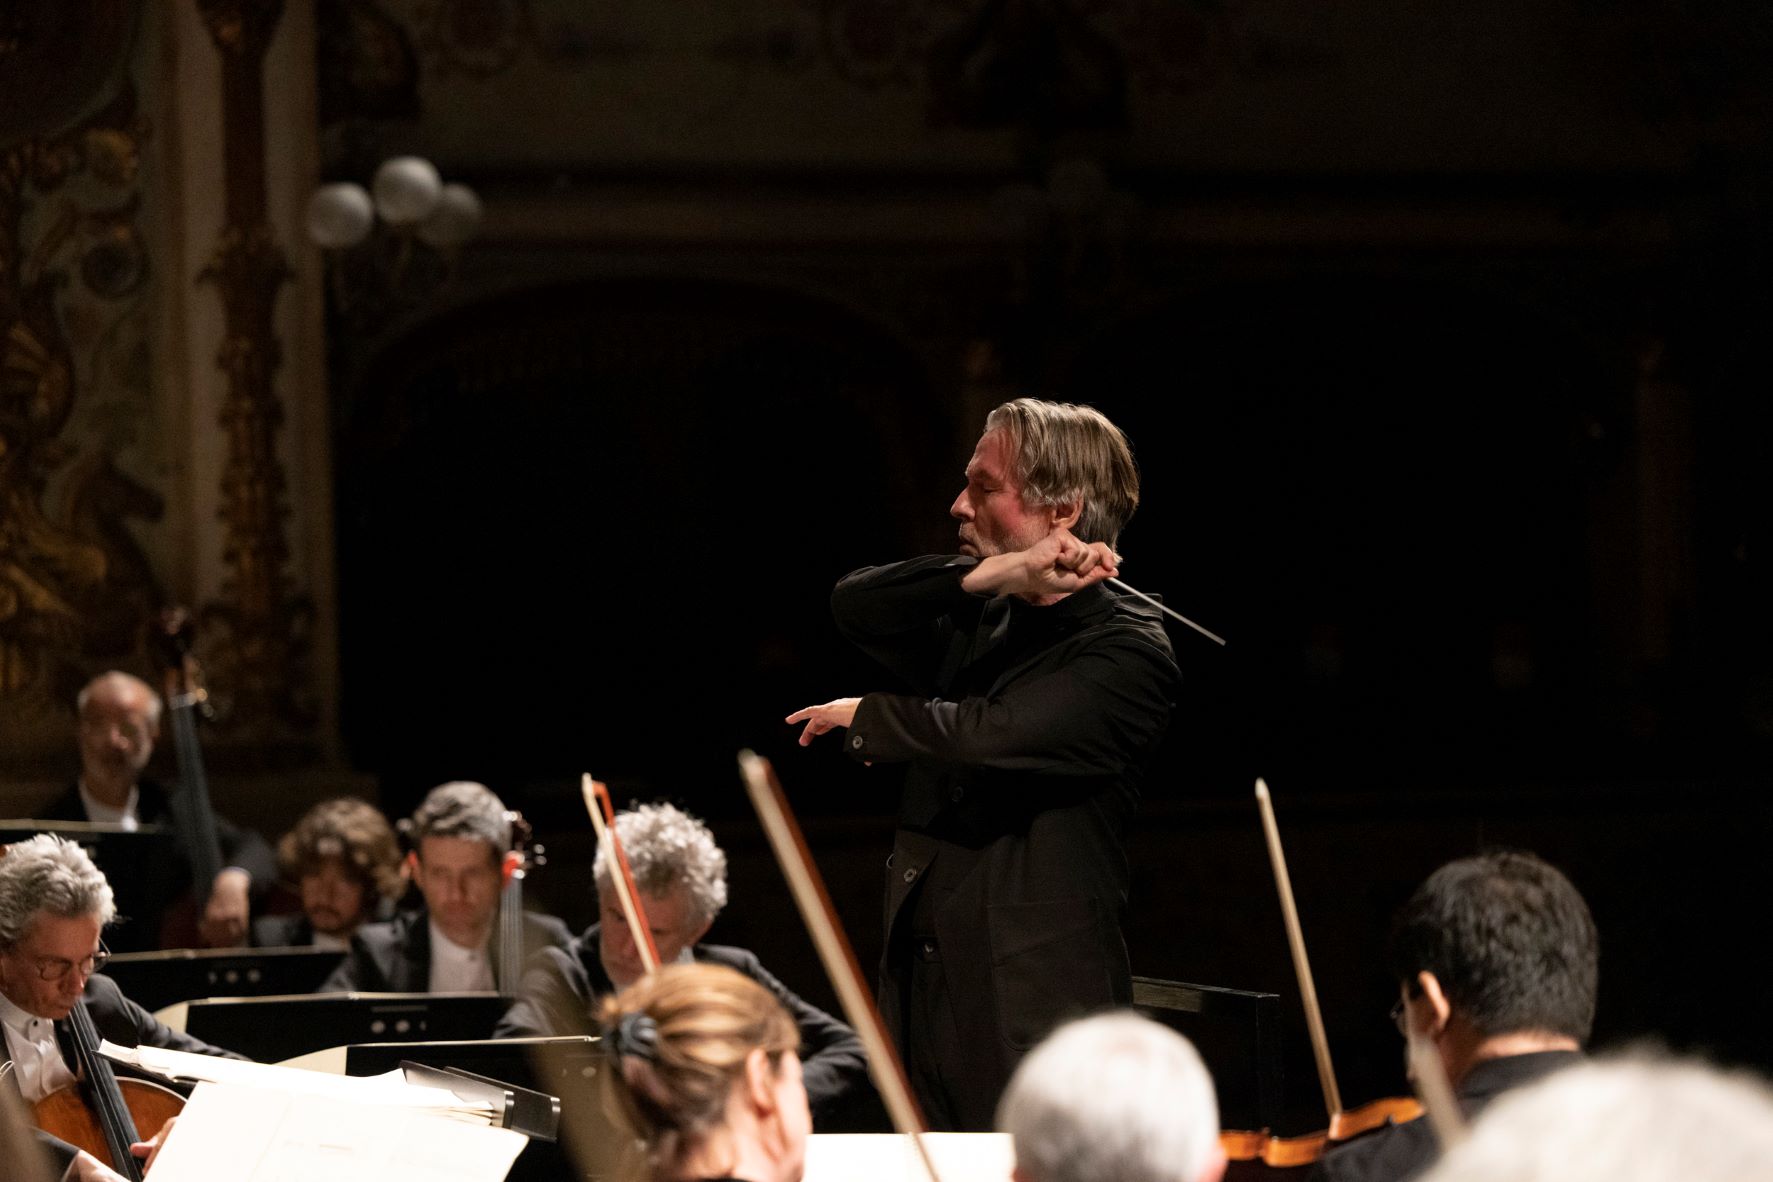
(54, 903)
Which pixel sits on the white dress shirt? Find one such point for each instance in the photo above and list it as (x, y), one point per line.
(37, 1061)
(455, 969)
(97, 810)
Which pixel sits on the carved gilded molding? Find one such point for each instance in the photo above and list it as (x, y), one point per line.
(260, 657)
(75, 585)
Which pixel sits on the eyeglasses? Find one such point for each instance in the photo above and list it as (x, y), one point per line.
(54, 968)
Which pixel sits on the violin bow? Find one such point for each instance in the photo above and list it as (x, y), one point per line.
(603, 820)
(1429, 1071)
(814, 901)
(1314, 1018)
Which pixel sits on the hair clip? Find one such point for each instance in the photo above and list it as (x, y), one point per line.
(634, 1034)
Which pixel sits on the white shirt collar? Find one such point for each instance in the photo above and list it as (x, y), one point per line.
(97, 810)
(455, 969)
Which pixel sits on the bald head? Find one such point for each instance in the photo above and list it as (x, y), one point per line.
(119, 724)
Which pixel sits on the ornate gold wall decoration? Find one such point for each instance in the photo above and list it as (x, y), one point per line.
(260, 654)
(75, 586)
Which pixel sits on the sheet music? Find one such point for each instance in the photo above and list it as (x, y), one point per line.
(389, 1089)
(231, 1133)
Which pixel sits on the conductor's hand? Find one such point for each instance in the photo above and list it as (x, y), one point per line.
(819, 719)
(1058, 564)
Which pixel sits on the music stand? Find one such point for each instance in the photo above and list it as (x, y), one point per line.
(145, 866)
(271, 1029)
(154, 980)
(1237, 1033)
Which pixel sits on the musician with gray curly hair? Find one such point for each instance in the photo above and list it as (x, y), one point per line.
(680, 874)
(54, 903)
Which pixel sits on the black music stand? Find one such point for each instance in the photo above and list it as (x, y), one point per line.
(145, 866)
(156, 979)
(548, 1067)
(1237, 1033)
(271, 1029)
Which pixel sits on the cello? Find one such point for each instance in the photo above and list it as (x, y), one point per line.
(102, 1114)
(524, 855)
(99, 1113)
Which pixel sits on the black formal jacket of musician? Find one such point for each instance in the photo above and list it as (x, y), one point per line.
(1398, 1153)
(395, 957)
(562, 985)
(171, 879)
(1027, 734)
(120, 1021)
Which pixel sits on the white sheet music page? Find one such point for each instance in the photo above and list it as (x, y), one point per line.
(890, 1157)
(230, 1133)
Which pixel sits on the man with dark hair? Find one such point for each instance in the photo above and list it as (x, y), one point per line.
(460, 835)
(681, 875)
(119, 723)
(344, 861)
(1039, 696)
(1496, 959)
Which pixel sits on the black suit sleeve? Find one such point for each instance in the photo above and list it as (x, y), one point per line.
(244, 848)
(833, 1063)
(127, 1024)
(57, 1152)
(360, 972)
(553, 998)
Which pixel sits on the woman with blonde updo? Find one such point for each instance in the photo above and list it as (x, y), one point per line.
(707, 1076)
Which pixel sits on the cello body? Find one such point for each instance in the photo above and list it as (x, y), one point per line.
(65, 1113)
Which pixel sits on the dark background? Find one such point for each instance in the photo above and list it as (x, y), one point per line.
(1455, 425)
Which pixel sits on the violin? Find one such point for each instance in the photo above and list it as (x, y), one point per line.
(193, 815)
(1260, 1148)
(102, 1114)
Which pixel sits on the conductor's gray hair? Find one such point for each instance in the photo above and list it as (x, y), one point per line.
(49, 874)
(1113, 1098)
(1062, 452)
(1634, 1119)
(667, 848)
(115, 681)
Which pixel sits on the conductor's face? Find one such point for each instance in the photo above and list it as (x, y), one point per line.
(993, 518)
(460, 879)
(46, 971)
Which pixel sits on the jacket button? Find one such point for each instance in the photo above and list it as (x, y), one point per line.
(957, 794)
(855, 742)
(911, 874)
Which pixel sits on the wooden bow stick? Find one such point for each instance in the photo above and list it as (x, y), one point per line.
(808, 888)
(603, 819)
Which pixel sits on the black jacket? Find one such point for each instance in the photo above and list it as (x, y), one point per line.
(395, 957)
(169, 881)
(562, 985)
(1027, 733)
(1397, 1153)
